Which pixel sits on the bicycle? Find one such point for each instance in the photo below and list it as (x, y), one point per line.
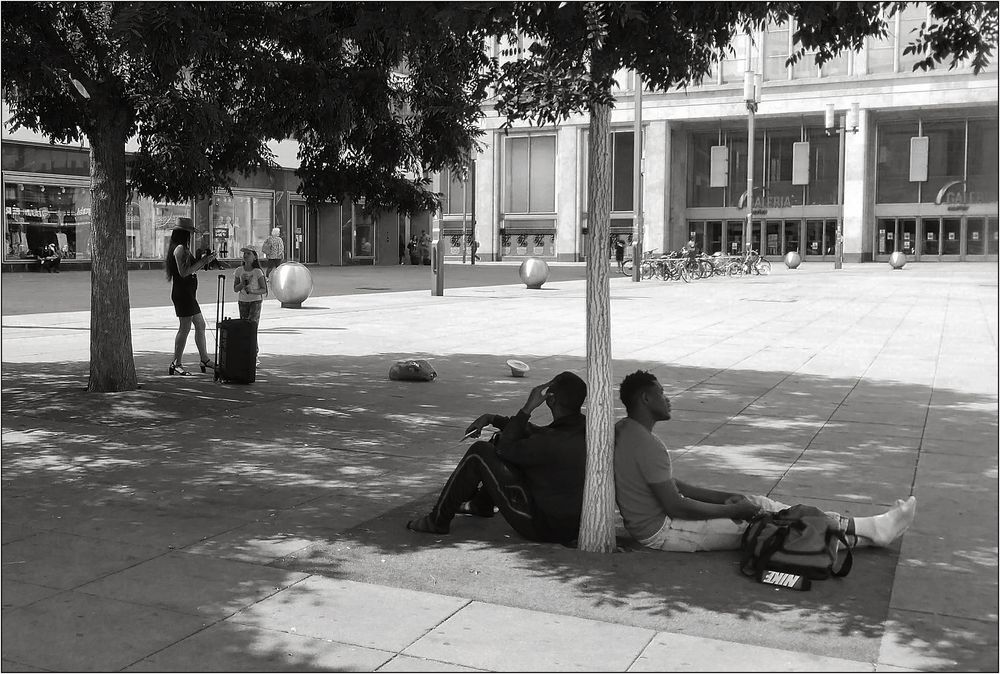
(751, 262)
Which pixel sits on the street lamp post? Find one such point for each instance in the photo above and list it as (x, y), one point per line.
(751, 95)
(637, 238)
(849, 122)
(465, 175)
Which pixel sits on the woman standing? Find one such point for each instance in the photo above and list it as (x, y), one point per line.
(181, 267)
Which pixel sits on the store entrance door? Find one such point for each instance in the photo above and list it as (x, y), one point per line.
(304, 234)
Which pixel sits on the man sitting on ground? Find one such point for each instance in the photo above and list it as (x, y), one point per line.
(665, 513)
(533, 474)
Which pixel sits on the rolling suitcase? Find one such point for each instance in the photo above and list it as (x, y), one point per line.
(235, 345)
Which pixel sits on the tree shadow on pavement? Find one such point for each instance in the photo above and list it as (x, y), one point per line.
(317, 467)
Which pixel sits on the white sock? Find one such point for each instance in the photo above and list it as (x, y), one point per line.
(883, 529)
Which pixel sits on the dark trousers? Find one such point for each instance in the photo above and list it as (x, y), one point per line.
(487, 480)
(269, 265)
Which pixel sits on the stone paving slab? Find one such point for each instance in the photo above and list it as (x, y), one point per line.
(64, 561)
(354, 613)
(929, 642)
(682, 653)
(193, 584)
(230, 647)
(74, 632)
(515, 640)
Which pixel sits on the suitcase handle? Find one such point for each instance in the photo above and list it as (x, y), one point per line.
(220, 304)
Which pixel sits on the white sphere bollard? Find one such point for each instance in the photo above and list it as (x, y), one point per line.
(292, 283)
(534, 272)
(792, 259)
(897, 260)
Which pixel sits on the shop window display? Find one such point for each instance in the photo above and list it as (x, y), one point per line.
(240, 220)
(37, 215)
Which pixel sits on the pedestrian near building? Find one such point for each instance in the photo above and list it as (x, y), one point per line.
(50, 258)
(411, 249)
(424, 243)
(620, 253)
(274, 248)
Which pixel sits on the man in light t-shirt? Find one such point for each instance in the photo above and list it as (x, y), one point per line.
(665, 513)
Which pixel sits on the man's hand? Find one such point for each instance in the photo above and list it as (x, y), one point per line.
(476, 427)
(536, 398)
(745, 508)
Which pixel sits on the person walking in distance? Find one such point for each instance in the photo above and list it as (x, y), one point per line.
(664, 513)
(181, 269)
(620, 254)
(274, 248)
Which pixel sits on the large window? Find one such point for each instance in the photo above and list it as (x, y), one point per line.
(530, 175)
(946, 156)
(240, 220)
(982, 169)
(453, 187)
(529, 192)
(957, 150)
(776, 50)
(36, 215)
(910, 20)
(893, 164)
(734, 63)
(824, 163)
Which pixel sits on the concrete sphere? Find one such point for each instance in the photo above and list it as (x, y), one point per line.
(792, 259)
(291, 283)
(897, 260)
(534, 272)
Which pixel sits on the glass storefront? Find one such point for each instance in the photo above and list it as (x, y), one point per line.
(36, 215)
(934, 238)
(243, 219)
(773, 186)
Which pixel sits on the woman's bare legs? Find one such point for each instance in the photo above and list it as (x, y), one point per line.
(182, 335)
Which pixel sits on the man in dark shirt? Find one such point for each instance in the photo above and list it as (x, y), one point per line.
(533, 474)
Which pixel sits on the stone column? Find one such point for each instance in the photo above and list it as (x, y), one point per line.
(857, 189)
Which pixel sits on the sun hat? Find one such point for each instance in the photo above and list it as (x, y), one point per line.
(249, 249)
(517, 368)
(186, 224)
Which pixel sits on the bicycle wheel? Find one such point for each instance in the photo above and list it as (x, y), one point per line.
(735, 268)
(763, 267)
(664, 271)
(682, 273)
(627, 268)
(647, 270)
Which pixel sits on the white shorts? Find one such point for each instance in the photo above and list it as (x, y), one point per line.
(694, 535)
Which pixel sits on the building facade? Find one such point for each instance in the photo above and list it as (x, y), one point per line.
(919, 166)
(47, 200)
(919, 174)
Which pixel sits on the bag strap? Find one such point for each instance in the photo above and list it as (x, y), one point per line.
(845, 566)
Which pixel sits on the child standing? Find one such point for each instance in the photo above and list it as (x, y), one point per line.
(249, 282)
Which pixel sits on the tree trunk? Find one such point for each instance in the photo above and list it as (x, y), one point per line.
(597, 531)
(112, 367)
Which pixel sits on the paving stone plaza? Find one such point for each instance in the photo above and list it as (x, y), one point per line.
(191, 525)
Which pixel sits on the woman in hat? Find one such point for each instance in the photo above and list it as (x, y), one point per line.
(181, 268)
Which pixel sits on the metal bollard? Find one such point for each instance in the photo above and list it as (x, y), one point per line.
(437, 267)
